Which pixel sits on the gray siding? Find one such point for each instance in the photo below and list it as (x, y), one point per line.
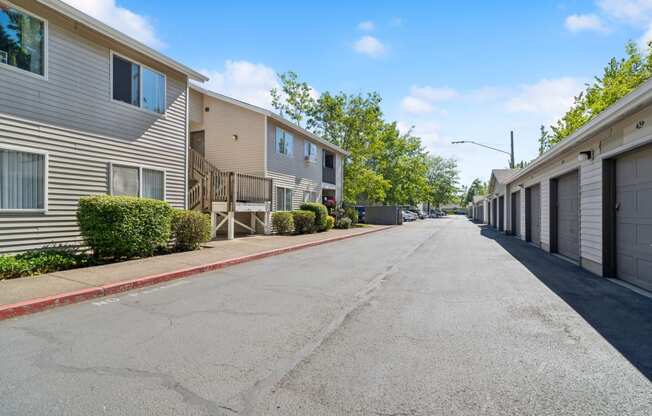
(72, 117)
(295, 165)
(297, 184)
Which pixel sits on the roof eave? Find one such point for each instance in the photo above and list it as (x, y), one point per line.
(619, 110)
(96, 25)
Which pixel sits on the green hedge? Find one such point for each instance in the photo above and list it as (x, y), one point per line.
(320, 211)
(190, 229)
(282, 222)
(119, 226)
(304, 221)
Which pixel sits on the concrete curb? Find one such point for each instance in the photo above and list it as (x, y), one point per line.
(27, 307)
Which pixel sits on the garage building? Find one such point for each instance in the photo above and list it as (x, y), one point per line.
(589, 199)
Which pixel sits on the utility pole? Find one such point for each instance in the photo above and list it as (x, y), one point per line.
(512, 163)
(512, 160)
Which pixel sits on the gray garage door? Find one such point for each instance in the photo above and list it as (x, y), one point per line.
(516, 213)
(634, 217)
(568, 216)
(534, 214)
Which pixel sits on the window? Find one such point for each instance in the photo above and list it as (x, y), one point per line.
(127, 180)
(309, 196)
(137, 85)
(284, 142)
(329, 160)
(22, 40)
(310, 151)
(23, 180)
(283, 199)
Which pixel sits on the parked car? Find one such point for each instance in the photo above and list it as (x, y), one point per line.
(409, 216)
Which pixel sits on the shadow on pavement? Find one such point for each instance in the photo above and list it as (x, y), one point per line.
(621, 316)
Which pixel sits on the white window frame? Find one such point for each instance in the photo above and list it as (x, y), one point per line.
(46, 193)
(46, 44)
(276, 142)
(140, 176)
(306, 152)
(312, 196)
(140, 86)
(285, 190)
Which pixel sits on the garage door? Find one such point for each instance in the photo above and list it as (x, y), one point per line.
(494, 213)
(568, 216)
(516, 213)
(634, 217)
(501, 213)
(534, 214)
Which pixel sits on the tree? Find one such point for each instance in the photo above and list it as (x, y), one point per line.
(383, 165)
(295, 99)
(476, 188)
(619, 78)
(443, 177)
(544, 140)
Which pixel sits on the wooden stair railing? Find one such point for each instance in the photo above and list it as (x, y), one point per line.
(214, 185)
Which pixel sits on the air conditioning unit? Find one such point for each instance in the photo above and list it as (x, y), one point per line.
(307, 158)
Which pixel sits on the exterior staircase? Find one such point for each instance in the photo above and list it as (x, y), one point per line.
(223, 194)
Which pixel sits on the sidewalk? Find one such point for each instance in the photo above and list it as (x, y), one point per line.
(31, 294)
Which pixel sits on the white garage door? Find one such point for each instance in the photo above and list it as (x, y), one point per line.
(634, 217)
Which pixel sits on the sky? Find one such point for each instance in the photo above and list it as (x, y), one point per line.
(449, 70)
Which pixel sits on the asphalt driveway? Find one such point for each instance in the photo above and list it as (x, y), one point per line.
(438, 317)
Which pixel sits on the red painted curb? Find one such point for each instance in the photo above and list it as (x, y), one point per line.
(27, 307)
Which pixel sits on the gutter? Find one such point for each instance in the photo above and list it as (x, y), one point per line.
(624, 107)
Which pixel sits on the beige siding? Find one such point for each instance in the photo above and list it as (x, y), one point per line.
(221, 123)
(71, 116)
(591, 210)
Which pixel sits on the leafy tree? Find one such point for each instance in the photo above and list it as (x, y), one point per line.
(294, 100)
(619, 78)
(383, 166)
(443, 177)
(476, 188)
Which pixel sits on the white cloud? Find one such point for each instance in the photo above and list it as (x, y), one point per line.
(367, 25)
(370, 46)
(245, 81)
(548, 97)
(107, 11)
(433, 93)
(421, 99)
(415, 105)
(635, 12)
(585, 22)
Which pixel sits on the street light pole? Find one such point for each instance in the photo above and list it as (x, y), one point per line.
(512, 162)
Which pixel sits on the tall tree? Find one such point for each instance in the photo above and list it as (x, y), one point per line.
(618, 79)
(443, 177)
(294, 100)
(476, 188)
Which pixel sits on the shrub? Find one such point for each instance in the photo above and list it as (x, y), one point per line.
(343, 223)
(190, 229)
(282, 222)
(116, 227)
(11, 267)
(330, 223)
(40, 262)
(320, 212)
(304, 221)
(352, 213)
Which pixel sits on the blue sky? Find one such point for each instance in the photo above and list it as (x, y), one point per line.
(471, 70)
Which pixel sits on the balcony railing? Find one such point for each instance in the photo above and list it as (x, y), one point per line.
(328, 175)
